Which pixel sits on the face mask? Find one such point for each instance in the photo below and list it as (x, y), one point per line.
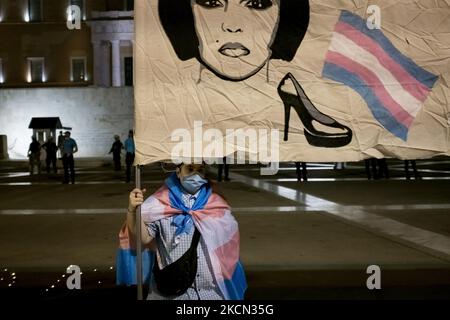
(193, 183)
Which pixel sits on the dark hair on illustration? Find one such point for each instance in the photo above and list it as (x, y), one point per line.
(177, 20)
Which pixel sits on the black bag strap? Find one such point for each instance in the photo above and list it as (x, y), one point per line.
(178, 276)
(192, 249)
(195, 239)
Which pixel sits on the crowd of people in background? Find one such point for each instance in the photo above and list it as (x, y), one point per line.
(376, 169)
(64, 150)
(66, 147)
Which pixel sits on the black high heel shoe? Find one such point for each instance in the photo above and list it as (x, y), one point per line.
(308, 113)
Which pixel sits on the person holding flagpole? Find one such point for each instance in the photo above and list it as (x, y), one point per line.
(194, 236)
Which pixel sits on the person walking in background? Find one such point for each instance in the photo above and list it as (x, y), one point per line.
(61, 144)
(414, 167)
(340, 166)
(34, 155)
(69, 149)
(301, 170)
(116, 150)
(221, 168)
(130, 153)
(383, 170)
(50, 149)
(376, 169)
(371, 169)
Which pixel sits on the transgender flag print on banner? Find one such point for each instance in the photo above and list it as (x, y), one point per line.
(393, 86)
(309, 73)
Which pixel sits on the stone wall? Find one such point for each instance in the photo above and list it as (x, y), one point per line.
(94, 114)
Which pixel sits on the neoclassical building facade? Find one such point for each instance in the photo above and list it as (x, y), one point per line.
(112, 42)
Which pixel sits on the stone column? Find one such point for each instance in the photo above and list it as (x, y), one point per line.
(98, 63)
(116, 67)
(106, 64)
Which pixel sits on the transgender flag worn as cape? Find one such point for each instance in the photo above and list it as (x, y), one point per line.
(212, 217)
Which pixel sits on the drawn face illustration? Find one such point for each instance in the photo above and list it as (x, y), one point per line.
(235, 36)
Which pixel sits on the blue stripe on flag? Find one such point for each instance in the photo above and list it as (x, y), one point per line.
(426, 78)
(237, 285)
(384, 116)
(126, 266)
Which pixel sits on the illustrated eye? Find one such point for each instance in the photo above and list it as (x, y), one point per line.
(258, 4)
(209, 3)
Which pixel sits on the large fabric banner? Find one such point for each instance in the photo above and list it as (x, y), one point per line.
(292, 80)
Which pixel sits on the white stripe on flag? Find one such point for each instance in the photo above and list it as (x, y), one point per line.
(351, 50)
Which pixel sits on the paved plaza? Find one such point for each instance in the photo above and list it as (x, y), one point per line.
(299, 240)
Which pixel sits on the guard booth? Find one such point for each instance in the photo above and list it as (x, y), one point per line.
(43, 128)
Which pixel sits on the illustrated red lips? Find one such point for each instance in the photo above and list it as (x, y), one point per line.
(234, 50)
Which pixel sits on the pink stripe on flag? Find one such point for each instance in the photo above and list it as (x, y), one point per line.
(163, 196)
(374, 84)
(408, 82)
(125, 238)
(228, 256)
(214, 208)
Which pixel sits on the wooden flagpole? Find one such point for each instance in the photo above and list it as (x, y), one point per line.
(139, 239)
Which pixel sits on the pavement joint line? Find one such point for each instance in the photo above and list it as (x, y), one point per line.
(250, 210)
(310, 166)
(325, 168)
(28, 183)
(43, 172)
(247, 210)
(418, 238)
(56, 183)
(431, 171)
(401, 207)
(352, 179)
(399, 168)
(60, 211)
(348, 168)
